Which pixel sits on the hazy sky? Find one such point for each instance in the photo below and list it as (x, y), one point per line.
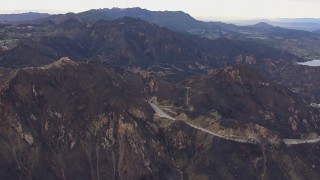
(197, 8)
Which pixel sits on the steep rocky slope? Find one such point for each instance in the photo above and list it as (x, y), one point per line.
(71, 120)
(237, 101)
(242, 93)
(68, 120)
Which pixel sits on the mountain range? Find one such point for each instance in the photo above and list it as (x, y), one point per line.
(157, 95)
(22, 17)
(284, 39)
(278, 37)
(307, 24)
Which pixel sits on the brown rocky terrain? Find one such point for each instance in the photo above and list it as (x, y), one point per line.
(71, 120)
(244, 94)
(300, 79)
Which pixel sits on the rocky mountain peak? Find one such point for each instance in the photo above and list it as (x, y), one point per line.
(64, 61)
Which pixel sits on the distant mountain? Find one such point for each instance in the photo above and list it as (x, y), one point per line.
(183, 22)
(175, 20)
(274, 36)
(309, 24)
(134, 42)
(262, 30)
(22, 17)
(262, 25)
(306, 24)
(298, 20)
(125, 41)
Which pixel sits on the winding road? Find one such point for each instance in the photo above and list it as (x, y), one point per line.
(300, 141)
(161, 113)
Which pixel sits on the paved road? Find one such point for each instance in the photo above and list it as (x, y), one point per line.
(221, 136)
(161, 113)
(300, 141)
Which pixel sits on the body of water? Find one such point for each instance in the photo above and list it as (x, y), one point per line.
(315, 62)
